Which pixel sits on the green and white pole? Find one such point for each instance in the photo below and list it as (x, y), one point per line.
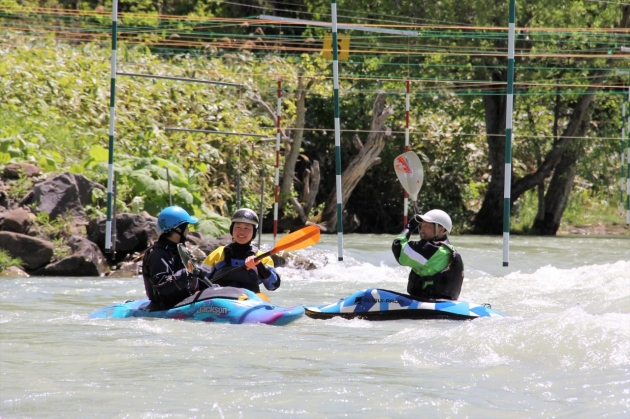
(507, 185)
(335, 49)
(112, 124)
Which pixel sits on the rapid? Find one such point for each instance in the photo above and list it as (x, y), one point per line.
(561, 351)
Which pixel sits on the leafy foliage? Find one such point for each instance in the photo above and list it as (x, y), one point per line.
(7, 261)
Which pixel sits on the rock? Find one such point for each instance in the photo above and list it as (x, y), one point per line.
(314, 261)
(13, 170)
(81, 246)
(74, 265)
(134, 233)
(127, 270)
(62, 194)
(209, 245)
(4, 199)
(34, 252)
(195, 237)
(17, 220)
(14, 271)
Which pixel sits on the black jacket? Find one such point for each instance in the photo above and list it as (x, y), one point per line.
(166, 280)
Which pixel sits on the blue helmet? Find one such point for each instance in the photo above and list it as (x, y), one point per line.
(172, 217)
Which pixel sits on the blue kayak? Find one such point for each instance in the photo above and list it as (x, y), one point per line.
(220, 305)
(379, 304)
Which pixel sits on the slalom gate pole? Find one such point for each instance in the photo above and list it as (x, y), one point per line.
(406, 195)
(507, 185)
(277, 189)
(335, 48)
(112, 125)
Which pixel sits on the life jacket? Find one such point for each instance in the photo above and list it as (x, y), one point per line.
(446, 284)
(243, 278)
(168, 292)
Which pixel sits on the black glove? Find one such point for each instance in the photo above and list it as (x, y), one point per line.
(201, 271)
(414, 223)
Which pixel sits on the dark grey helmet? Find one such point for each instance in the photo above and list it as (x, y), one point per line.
(245, 215)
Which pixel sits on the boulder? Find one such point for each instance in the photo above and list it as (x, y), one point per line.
(74, 265)
(134, 233)
(14, 271)
(62, 194)
(81, 246)
(4, 199)
(13, 170)
(17, 220)
(34, 252)
(127, 270)
(209, 245)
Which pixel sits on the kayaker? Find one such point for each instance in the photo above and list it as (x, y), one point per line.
(241, 252)
(437, 269)
(166, 279)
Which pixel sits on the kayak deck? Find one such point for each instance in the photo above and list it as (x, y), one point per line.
(378, 304)
(218, 305)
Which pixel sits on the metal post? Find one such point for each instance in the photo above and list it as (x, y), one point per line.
(168, 183)
(238, 189)
(335, 48)
(507, 186)
(112, 124)
(277, 189)
(262, 196)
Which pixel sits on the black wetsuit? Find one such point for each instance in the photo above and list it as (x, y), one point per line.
(166, 280)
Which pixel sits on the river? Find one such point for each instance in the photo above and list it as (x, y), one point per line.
(562, 351)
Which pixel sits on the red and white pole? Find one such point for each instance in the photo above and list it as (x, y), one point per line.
(277, 191)
(406, 195)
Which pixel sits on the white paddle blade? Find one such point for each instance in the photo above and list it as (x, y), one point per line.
(409, 170)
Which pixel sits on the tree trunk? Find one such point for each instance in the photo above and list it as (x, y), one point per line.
(361, 163)
(559, 190)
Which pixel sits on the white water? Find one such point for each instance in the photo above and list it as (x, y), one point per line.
(563, 349)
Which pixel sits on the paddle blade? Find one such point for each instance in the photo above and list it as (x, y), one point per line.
(409, 170)
(300, 239)
(186, 256)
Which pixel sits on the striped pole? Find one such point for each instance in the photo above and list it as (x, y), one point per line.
(623, 150)
(112, 124)
(277, 191)
(507, 185)
(405, 194)
(335, 48)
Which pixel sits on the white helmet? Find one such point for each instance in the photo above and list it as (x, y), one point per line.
(439, 217)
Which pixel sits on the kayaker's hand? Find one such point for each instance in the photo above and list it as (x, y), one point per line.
(414, 223)
(251, 262)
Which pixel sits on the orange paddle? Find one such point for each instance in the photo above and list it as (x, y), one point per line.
(299, 239)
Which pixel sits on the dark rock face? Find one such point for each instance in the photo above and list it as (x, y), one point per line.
(34, 252)
(90, 251)
(63, 194)
(134, 233)
(208, 246)
(75, 265)
(17, 220)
